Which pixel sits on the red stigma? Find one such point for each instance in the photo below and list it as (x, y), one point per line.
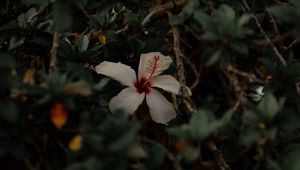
(142, 86)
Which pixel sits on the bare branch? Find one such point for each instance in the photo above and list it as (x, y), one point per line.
(162, 9)
(53, 51)
(275, 28)
(222, 164)
(190, 105)
(275, 50)
(291, 45)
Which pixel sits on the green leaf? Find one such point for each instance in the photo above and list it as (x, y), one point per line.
(123, 141)
(273, 164)
(191, 6)
(226, 19)
(17, 149)
(181, 132)
(286, 13)
(205, 20)
(156, 155)
(101, 84)
(62, 15)
(249, 137)
(177, 20)
(191, 154)
(133, 19)
(269, 106)
(202, 124)
(83, 43)
(297, 4)
(226, 14)
(214, 57)
(211, 36)
(243, 19)
(35, 2)
(239, 47)
(16, 42)
(9, 111)
(3, 148)
(250, 118)
(290, 157)
(7, 61)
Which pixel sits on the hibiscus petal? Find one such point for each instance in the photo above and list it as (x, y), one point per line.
(127, 100)
(166, 82)
(117, 71)
(152, 64)
(161, 110)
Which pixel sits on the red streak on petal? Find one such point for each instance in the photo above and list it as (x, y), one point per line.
(156, 58)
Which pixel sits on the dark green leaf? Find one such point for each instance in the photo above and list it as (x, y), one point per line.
(35, 2)
(62, 15)
(7, 61)
(269, 105)
(156, 155)
(9, 111)
(286, 13)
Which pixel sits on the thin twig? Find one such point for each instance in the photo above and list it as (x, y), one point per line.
(83, 11)
(53, 50)
(122, 29)
(239, 93)
(174, 162)
(190, 105)
(250, 77)
(41, 10)
(275, 50)
(222, 164)
(194, 69)
(29, 165)
(275, 29)
(277, 38)
(291, 45)
(162, 9)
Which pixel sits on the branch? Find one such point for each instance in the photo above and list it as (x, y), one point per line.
(29, 164)
(222, 164)
(275, 50)
(291, 45)
(162, 10)
(188, 102)
(275, 29)
(239, 93)
(250, 77)
(278, 38)
(194, 69)
(41, 10)
(53, 50)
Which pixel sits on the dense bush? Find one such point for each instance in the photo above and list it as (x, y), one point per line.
(239, 58)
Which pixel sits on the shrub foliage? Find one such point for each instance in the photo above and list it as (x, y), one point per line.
(240, 58)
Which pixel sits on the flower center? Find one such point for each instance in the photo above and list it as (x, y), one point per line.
(142, 86)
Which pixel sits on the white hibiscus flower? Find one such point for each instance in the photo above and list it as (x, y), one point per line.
(150, 67)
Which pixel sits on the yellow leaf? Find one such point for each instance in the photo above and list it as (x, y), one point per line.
(181, 145)
(28, 76)
(101, 38)
(59, 115)
(75, 143)
(261, 125)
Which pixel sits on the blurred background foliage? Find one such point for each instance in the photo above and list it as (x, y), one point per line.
(241, 60)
